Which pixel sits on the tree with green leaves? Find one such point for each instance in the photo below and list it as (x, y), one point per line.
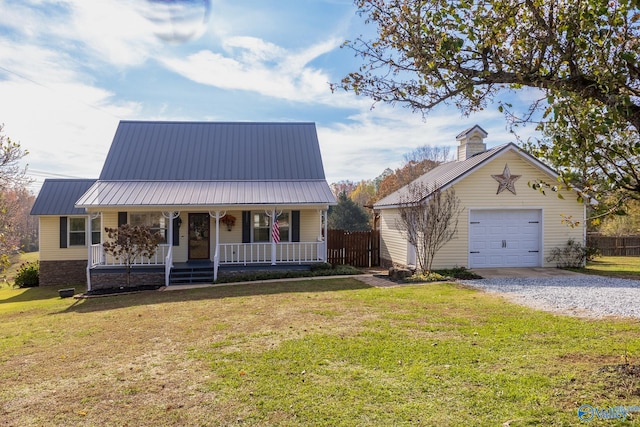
(347, 215)
(12, 178)
(130, 244)
(582, 56)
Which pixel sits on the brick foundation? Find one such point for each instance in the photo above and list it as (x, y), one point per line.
(117, 278)
(63, 273)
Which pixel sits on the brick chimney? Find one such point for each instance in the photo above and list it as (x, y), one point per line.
(471, 142)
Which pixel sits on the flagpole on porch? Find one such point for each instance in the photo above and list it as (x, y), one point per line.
(275, 233)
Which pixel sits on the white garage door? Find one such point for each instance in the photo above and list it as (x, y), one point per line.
(504, 238)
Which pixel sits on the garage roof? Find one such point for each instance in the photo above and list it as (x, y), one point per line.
(447, 174)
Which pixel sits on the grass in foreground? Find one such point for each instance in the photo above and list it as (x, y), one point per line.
(322, 352)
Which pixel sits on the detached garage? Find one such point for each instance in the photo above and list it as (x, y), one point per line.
(504, 223)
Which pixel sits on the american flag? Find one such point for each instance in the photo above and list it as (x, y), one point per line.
(275, 231)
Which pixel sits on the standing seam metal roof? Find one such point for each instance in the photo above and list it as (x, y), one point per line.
(448, 173)
(58, 196)
(213, 151)
(211, 163)
(206, 193)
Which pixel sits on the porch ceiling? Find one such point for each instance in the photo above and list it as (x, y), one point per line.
(205, 193)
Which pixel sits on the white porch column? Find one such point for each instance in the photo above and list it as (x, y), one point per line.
(89, 240)
(170, 232)
(89, 248)
(168, 261)
(216, 254)
(326, 217)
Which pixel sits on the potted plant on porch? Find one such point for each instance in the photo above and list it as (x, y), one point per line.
(229, 221)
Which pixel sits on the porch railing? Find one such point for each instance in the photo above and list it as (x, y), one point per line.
(260, 253)
(230, 253)
(100, 257)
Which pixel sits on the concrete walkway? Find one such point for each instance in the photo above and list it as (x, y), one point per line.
(368, 278)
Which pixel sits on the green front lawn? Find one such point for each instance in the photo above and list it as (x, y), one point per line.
(322, 352)
(614, 266)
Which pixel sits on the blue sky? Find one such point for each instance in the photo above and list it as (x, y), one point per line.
(71, 69)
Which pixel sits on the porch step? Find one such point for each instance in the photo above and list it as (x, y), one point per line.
(191, 274)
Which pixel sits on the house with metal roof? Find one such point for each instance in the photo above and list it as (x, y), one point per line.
(221, 194)
(504, 221)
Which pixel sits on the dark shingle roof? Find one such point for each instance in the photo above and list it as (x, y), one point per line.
(58, 196)
(213, 151)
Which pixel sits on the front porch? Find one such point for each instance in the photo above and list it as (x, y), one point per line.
(229, 257)
(262, 237)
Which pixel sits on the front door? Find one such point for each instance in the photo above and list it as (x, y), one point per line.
(199, 232)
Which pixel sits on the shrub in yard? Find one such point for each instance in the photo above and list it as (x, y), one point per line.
(341, 270)
(459, 273)
(426, 277)
(320, 266)
(319, 269)
(573, 255)
(28, 275)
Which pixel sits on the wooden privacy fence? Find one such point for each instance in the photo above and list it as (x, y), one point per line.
(356, 248)
(615, 245)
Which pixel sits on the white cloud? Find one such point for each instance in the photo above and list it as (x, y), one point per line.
(371, 141)
(67, 128)
(112, 31)
(117, 32)
(256, 65)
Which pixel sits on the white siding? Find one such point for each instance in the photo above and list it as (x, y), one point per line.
(478, 191)
(50, 249)
(393, 246)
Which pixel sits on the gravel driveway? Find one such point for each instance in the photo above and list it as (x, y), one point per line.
(580, 295)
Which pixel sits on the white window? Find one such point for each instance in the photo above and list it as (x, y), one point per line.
(283, 223)
(77, 231)
(96, 230)
(261, 227)
(154, 220)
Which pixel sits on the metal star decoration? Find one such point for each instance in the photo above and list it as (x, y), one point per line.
(506, 181)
